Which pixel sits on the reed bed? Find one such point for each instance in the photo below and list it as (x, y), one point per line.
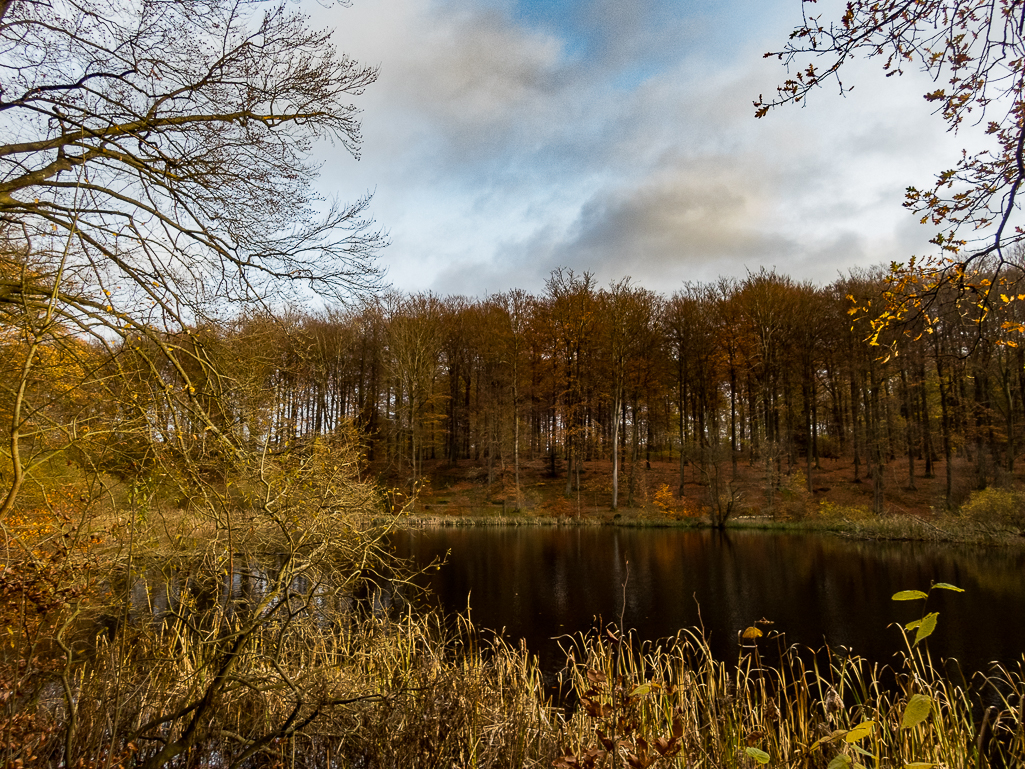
(378, 691)
(367, 692)
(674, 705)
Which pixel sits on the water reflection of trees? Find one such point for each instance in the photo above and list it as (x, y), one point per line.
(199, 597)
(537, 583)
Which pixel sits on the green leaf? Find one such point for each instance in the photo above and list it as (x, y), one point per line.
(840, 762)
(908, 595)
(925, 628)
(917, 711)
(862, 751)
(948, 586)
(758, 755)
(919, 765)
(912, 624)
(860, 732)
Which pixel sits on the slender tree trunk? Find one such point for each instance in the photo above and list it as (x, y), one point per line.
(752, 412)
(733, 417)
(855, 427)
(807, 429)
(945, 426)
(927, 447)
(571, 448)
(815, 421)
(909, 424)
(1009, 397)
(877, 451)
(516, 455)
(681, 410)
(17, 469)
(616, 408)
(634, 453)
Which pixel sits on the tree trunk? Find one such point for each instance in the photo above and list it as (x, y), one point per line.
(909, 427)
(617, 407)
(945, 426)
(927, 448)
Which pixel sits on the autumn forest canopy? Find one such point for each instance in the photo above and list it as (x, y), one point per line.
(762, 372)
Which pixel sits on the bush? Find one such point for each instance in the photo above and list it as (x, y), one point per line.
(832, 511)
(673, 507)
(664, 499)
(1001, 507)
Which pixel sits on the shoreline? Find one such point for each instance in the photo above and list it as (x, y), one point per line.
(886, 528)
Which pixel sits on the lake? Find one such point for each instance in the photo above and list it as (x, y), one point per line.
(538, 583)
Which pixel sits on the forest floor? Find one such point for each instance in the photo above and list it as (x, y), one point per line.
(461, 493)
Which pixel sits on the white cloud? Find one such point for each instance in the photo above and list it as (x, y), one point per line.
(499, 153)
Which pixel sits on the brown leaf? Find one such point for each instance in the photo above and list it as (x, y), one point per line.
(594, 710)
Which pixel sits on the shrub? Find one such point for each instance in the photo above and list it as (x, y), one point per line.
(664, 499)
(1001, 507)
(676, 508)
(833, 511)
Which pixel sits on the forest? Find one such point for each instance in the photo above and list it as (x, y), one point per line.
(762, 372)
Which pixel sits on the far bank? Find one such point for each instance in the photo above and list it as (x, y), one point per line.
(461, 495)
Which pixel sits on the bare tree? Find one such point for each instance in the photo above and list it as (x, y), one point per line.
(154, 177)
(415, 348)
(629, 318)
(154, 167)
(516, 306)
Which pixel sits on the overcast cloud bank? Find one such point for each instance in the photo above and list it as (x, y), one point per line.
(506, 139)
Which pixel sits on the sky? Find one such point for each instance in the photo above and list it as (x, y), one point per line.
(507, 138)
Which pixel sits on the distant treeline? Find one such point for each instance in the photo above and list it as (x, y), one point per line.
(762, 369)
(756, 370)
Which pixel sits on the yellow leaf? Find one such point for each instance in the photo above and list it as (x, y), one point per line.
(860, 731)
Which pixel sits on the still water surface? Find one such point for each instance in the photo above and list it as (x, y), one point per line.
(538, 583)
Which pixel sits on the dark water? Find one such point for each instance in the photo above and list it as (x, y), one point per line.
(538, 583)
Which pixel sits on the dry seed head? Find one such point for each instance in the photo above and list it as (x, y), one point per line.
(833, 704)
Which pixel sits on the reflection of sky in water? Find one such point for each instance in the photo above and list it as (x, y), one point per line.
(537, 583)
